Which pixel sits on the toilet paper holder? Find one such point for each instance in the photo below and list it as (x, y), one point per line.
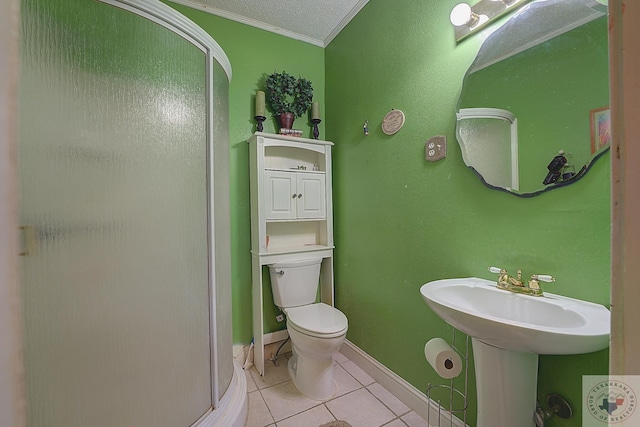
(458, 403)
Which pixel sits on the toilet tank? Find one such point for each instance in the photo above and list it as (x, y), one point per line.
(295, 283)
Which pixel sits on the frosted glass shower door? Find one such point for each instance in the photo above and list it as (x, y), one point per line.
(113, 171)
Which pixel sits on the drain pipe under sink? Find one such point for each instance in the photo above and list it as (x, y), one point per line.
(557, 406)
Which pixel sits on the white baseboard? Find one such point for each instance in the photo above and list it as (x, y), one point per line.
(408, 394)
(240, 352)
(276, 336)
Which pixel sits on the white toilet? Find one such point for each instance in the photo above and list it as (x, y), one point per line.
(317, 330)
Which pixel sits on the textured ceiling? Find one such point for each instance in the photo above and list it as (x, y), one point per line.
(536, 23)
(312, 21)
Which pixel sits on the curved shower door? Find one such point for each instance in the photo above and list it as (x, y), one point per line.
(113, 163)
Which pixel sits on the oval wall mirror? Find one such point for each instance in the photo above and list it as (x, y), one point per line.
(533, 111)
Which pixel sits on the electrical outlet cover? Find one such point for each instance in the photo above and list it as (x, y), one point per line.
(435, 148)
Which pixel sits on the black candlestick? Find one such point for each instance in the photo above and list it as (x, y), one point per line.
(316, 132)
(259, 119)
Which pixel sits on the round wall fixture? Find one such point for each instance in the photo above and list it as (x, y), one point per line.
(392, 122)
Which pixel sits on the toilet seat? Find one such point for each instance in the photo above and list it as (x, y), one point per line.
(317, 320)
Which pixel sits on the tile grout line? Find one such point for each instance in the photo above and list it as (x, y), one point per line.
(397, 417)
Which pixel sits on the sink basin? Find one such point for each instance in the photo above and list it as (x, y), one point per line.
(551, 324)
(508, 331)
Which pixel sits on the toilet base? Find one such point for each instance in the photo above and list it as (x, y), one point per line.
(313, 377)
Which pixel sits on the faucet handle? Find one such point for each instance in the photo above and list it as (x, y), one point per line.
(534, 283)
(544, 277)
(503, 277)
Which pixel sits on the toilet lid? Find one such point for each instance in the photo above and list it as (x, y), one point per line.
(317, 319)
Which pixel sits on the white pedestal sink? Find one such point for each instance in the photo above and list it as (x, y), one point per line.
(508, 332)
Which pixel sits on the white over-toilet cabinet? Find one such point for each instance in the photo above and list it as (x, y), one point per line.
(291, 214)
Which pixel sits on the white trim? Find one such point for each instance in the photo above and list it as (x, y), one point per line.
(408, 394)
(515, 162)
(485, 113)
(240, 351)
(352, 13)
(273, 28)
(251, 22)
(211, 236)
(275, 336)
(171, 19)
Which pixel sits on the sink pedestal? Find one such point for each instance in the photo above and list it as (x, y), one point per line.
(506, 383)
(508, 332)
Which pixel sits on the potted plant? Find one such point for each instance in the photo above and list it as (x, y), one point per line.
(288, 97)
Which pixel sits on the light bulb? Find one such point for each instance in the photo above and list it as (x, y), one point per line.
(463, 15)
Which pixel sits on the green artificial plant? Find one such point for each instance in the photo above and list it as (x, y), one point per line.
(286, 94)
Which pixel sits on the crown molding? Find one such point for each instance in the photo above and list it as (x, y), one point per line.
(251, 22)
(352, 13)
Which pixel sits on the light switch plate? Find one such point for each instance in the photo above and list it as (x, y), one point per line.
(435, 148)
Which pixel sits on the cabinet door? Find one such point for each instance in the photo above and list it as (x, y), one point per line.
(280, 195)
(311, 201)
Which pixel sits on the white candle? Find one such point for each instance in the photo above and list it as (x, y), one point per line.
(315, 110)
(260, 103)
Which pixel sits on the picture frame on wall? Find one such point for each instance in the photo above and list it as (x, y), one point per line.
(600, 121)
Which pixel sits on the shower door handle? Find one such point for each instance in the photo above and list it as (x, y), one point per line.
(28, 240)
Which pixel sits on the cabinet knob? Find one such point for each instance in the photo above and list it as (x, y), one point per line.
(294, 196)
(299, 196)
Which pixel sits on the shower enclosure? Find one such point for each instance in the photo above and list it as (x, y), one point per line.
(125, 267)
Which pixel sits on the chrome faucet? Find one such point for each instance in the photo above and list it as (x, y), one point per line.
(517, 285)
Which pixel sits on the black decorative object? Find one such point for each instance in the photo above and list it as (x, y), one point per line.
(259, 119)
(555, 168)
(316, 132)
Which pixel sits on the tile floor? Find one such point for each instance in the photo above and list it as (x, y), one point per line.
(275, 402)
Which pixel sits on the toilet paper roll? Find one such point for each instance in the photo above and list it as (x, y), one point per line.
(444, 359)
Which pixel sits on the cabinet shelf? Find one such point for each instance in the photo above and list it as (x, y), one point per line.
(295, 249)
(294, 170)
(270, 220)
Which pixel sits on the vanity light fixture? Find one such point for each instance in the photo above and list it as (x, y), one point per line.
(462, 14)
(466, 19)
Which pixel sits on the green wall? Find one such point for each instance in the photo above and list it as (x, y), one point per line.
(401, 222)
(253, 54)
